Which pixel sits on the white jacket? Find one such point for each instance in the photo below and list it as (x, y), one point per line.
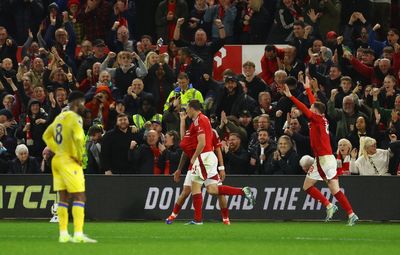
(363, 165)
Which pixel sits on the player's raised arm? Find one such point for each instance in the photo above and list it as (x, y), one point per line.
(307, 87)
(299, 104)
(182, 126)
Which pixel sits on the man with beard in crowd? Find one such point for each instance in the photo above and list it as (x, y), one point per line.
(115, 146)
(260, 153)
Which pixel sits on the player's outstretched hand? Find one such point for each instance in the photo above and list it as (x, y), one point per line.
(286, 91)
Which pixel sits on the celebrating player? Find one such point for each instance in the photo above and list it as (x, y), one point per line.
(65, 137)
(325, 165)
(187, 185)
(204, 162)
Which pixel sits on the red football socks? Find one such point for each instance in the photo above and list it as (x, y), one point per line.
(177, 209)
(197, 204)
(230, 191)
(344, 203)
(225, 213)
(317, 195)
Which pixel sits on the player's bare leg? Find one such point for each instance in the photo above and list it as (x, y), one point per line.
(78, 213)
(62, 212)
(308, 186)
(215, 189)
(178, 205)
(334, 187)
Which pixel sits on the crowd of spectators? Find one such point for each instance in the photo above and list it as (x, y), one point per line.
(136, 93)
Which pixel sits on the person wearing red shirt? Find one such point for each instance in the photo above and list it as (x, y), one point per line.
(204, 163)
(324, 166)
(270, 62)
(187, 185)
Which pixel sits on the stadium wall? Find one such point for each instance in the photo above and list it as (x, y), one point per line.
(152, 198)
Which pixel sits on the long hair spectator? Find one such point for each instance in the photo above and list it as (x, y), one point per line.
(343, 156)
(371, 161)
(160, 78)
(285, 159)
(169, 158)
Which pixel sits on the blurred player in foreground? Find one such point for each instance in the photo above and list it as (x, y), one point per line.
(65, 137)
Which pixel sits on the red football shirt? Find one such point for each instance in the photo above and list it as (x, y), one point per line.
(215, 140)
(319, 130)
(202, 125)
(189, 142)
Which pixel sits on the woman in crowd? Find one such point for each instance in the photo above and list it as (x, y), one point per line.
(169, 158)
(285, 159)
(373, 161)
(360, 129)
(343, 157)
(126, 71)
(160, 78)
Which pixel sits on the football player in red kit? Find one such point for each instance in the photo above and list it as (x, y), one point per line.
(325, 165)
(187, 185)
(204, 163)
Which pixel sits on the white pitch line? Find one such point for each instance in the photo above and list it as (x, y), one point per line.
(302, 238)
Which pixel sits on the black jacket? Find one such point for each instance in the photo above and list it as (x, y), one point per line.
(244, 102)
(255, 153)
(133, 105)
(227, 102)
(160, 89)
(302, 142)
(124, 80)
(255, 86)
(288, 164)
(171, 155)
(325, 81)
(260, 23)
(36, 130)
(115, 148)
(143, 158)
(31, 166)
(87, 64)
(238, 162)
(205, 53)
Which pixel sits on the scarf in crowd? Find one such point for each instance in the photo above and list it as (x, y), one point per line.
(171, 24)
(156, 154)
(221, 12)
(249, 12)
(343, 167)
(296, 15)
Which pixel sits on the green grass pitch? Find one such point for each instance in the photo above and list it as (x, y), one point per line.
(38, 237)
